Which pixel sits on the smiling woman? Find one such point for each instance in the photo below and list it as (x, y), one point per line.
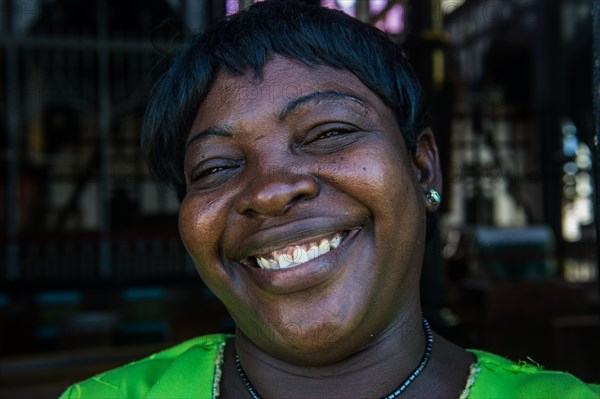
(306, 175)
(326, 167)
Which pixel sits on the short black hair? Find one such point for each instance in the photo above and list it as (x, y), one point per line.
(245, 42)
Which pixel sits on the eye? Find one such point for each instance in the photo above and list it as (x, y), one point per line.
(213, 173)
(332, 133)
(328, 139)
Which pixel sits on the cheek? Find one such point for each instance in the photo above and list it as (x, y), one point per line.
(190, 229)
(200, 231)
(375, 175)
(385, 184)
(199, 228)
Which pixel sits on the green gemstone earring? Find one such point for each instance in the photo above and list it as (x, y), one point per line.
(434, 197)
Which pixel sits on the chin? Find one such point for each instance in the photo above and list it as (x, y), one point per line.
(302, 337)
(316, 346)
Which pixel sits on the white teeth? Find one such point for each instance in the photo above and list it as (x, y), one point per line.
(265, 264)
(284, 261)
(273, 264)
(336, 241)
(313, 252)
(261, 263)
(300, 255)
(324, 247)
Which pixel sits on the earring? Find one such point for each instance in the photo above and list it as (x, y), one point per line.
(433, 197)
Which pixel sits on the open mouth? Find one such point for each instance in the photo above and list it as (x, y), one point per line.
(296, 254)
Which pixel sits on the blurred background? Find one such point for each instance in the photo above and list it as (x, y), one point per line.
(93, 274)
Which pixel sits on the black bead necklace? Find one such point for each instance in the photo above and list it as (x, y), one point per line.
(394, 394)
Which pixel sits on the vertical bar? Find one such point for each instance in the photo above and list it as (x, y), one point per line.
(245, 4)
(104, 119)
(363, 11)
(550, 95)
(13, 113)
(195, 15)
(596, 94)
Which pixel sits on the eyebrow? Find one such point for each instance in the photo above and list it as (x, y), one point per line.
(211, 131)
(315, 97)
(283, 114)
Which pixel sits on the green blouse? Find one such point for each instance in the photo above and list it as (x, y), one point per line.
(192, 369)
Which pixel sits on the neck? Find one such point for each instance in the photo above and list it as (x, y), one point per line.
(373, 371)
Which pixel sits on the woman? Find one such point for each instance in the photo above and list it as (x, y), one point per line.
(295, 138)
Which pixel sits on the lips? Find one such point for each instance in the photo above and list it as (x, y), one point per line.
(295, 254)
(299, 276)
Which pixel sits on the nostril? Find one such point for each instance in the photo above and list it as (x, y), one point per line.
(298, 197)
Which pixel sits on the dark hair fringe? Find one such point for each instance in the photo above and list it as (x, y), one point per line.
(246, 41)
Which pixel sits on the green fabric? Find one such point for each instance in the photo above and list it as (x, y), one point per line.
(501, 378)
(188, 371)
(183, 371)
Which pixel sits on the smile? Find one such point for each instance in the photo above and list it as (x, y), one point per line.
(296, 254)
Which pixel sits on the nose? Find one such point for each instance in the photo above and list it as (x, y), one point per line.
(275, 193)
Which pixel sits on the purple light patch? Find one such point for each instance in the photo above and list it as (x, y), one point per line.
(329, 4)
(347, 6)
(231, 6)
(393, 21)
(376, 6)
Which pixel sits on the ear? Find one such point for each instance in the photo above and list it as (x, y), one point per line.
(427, 165)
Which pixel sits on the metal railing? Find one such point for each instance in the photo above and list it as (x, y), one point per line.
(59, 179)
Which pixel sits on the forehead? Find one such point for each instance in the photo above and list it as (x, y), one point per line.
(283, 80)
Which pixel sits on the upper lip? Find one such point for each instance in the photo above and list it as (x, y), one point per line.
(294, 233)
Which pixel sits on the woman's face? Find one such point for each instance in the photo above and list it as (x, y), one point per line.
(304, 211)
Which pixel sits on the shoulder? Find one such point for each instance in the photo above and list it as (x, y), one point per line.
(185, 370)
(496, 377)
